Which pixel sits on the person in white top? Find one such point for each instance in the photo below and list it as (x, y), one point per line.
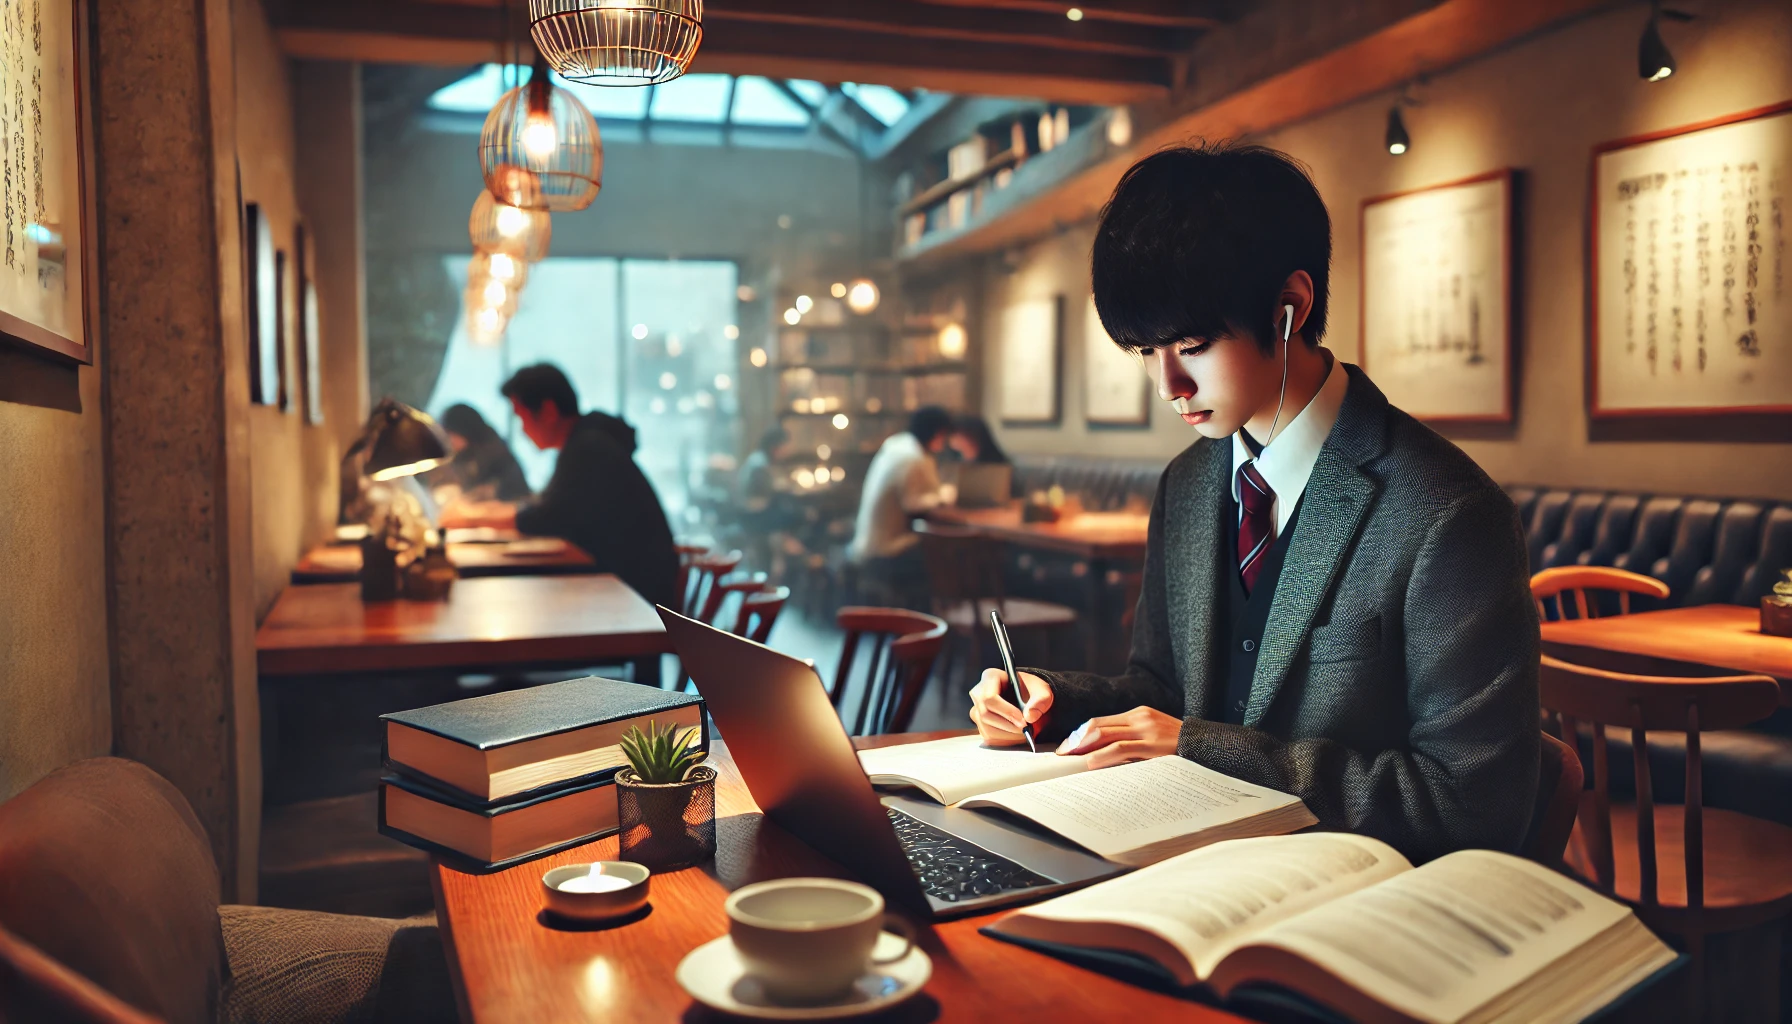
(902, 481)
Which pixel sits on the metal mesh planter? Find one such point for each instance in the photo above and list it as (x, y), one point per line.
(667, 826)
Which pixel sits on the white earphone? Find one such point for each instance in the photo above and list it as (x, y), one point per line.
(1287, 329)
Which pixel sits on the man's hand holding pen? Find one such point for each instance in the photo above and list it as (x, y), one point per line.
(1112, 739)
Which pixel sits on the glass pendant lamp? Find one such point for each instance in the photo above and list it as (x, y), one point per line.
(540, 148)
(617, 42)
(497, 227)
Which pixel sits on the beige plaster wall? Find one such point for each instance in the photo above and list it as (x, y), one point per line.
(55, 697)
(1538, 106)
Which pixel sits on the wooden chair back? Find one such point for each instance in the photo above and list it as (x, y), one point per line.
(759, 611)
(687, 555)
(36, 987)
(1558, 801)
(962, 565)
(1640, 703)
(1555, 586)
(899, 647)
(706, 569)
(742, 583)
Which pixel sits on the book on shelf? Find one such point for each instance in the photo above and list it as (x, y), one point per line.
(490, 836)
(1134, 814)
(1347, 923)
(504, 746)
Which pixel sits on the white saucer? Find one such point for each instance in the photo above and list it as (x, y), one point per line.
(714, 976)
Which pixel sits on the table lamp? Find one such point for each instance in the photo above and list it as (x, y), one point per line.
(398, 441)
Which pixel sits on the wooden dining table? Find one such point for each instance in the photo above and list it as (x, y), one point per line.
(497, 622)
(1093, 535)
(1707, 638)
(533, 556)
(511, 964)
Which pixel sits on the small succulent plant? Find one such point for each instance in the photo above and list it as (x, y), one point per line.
(661, 756)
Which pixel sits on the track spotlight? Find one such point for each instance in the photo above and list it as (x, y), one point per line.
(1654, 61)
(1397, 139)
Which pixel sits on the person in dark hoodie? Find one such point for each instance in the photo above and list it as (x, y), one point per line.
(598, 498)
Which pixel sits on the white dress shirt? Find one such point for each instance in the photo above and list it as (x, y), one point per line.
(901, 481)
(1287, 461)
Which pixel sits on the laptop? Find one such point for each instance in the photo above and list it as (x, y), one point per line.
(773, 712)
(984, 484)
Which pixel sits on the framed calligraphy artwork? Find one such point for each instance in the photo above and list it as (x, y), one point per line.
(1437, 299)
(1028, 386)
(47, 296)
(1691, 306)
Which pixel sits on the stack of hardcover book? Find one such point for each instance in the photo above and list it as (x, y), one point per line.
(492, 781)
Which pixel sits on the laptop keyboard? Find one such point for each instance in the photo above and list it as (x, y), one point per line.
(951, 869)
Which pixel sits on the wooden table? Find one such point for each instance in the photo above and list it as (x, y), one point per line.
(341, 563)
(509, 622)
(1116, 535)
(1722, 637)
(510, 966)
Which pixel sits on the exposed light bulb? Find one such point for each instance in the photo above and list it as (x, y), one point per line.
(804, 303)
(1074, 14)
(861, 296)
(840, 421)
(503, 267)
(792, 317)
(837, 290)
(953, 341)
(495, 293)
(757, 357)
(539, 137)
(512, 221)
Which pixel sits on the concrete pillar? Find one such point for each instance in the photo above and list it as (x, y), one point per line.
(175, 396)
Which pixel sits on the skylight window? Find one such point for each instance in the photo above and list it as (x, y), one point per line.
(701, 98)
(474, 94)
(613, 103)
(757, 101)
(880, 101)
(813, 92)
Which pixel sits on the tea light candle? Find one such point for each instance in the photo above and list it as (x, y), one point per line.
(595, 881)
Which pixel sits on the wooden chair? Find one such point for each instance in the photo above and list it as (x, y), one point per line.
(1687, 869)
(964, 576)
(687, 554)
(742, 583)
(901, 646)
(1578, 579)
(706, 569)
(759, 611)
(1558, 802)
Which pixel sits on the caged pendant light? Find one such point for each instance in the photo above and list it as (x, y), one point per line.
(617, 42)
(540, 149)
(511, 230)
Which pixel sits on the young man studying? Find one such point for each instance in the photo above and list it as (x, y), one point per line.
(1336, 600)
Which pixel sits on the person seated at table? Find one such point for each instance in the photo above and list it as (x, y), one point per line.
(597, 499)
(483, 466)
(902, 481)
(757, 486)
(1335, 600)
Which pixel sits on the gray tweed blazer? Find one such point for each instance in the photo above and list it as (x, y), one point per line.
(1396, 682)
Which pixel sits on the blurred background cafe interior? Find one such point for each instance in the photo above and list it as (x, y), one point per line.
(361, 356)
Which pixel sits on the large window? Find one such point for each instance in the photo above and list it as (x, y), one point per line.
(650, 340)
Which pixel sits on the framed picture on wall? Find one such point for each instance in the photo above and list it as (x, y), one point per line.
(48, 301)
(1691, 296)
(1436, 309)
(262, 275)
(1031, 343)
(311, 398)
(1116, 389)
(283, 325)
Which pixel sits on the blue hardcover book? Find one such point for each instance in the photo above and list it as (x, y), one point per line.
(502, 747)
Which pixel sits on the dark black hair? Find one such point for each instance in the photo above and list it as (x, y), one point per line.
(975, 428)
(1198, 241)
(533, 386)
(773, 439)
(465, 421)
(929, 422)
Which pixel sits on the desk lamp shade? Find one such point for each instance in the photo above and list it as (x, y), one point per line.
(617, 42)
(497, 227)
(402, 441)
(540, 148)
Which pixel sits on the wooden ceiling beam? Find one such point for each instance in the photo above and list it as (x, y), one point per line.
(1192, 14)
(936, 21)
(405, 31)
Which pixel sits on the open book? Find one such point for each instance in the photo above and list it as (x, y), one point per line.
(1133, 814)
(1345, 921)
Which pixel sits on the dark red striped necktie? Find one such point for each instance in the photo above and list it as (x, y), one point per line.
(1256, 523)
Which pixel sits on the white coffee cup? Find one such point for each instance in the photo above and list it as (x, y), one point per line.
(808, 939)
